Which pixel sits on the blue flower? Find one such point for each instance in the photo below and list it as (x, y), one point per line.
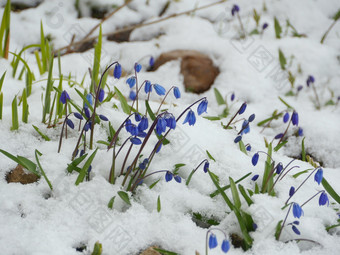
(225, 246)
(279, 168)
(232, 97)
(160, 90)
(132, 95)
(87, 126)
(160, 126)
(132, 129)
(291, 191)
(64, 97)
(137, 117)
(159, 147)
(310, 80)
(177, 93)
(255, 159)
(286, 117)
(101, 95)
(190, 118)
(138, 67)
(151, 61)
(202, 107)
(295, 229)
(245, 127)
(251, 117)
(170, 121)
(264, 26)
(143, 124)
(323, 199)
(70, 123)
(135, 141)
(128, 125)
(297, 210)
(300, 132)
(278, 136)
(318, 176)
(299, 88)
(295, 118)
(78, 115)
(102, 117)
(178, 178)
(89, 99)
(117, 72)
(168, 176)
(147, 87)
(237, 139)
(206, 166)
(142, 166)
(142, 134)
(131, 81)
(235, 9)
(242, 108)
(255, 177)
(212, 241)
(248, 148)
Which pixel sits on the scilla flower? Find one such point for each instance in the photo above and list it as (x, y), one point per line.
(64, 97)
(297, 210)
(202, 107)
(190, 118)
(318, 176)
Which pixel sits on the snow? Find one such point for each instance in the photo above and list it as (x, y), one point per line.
(35, 220)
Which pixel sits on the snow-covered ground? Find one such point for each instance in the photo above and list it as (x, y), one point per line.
(35, 220)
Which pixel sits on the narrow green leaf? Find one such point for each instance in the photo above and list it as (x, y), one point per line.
(97, 249)
(212, 118)
(159, 207)
(110, 204)
(2, 80)
(278, 29)
(125, 107)
(219, 97)
(15, 119)
(150, 112)
(234, 192)
(124, 196)
(73, 165)
(84, 169)
(24, 107)
(165, 252)
(45, 137)
(49, 87)
(285, 103)
(273, 117)
(330, 190)
(279, 146)
(43, 48)
(282, 60)
(337, 15)
(245, 195)
(228, 186)
(1, 104)
(96, 61)
(209, 155)
(41, 169)
(189, 177)
(9, 155)
(242, 147)
(28, 164)
(303, 151)
(154, 184)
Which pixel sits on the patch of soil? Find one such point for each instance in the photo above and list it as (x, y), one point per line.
(120, 37)
(150, 251)
(18, 7)
(18, 174)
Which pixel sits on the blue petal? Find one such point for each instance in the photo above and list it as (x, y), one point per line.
(117, 72)
(177, 93)
(159, 89)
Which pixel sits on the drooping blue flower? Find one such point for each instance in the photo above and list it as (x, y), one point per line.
(255, 177)
(202, 107)
(299, 88)
(131, 81)
(128, 125)
(235, 9)
(133, 130)
(310, 80)
(170, 121)
(245, 127)
(138, 67)
(143, 124)
(101, 95)
(295, 229)
(87, 126)
(225, 246)
(300, 132)
(70, 123)
(295, 118)
(117, 72)
(168, 176)
(135, 141)
(291, 191)
(237, 139)
(177, 93)
(251, 117)
(279, 168)
(323, 199)
(146, 161)
(142, 134)
(264, 26)
(286, 117)
(232, 97)
(278, 136)
(102, 117)
(242, 108)
(318, 176)
(178, 178)
(212, 241)
(296, 222)
(160, 90)
(161, 126)
(297, 210)
(255, 159)
(137, 117)
(151, 62)
(248, 147)
(142, 166)
(78, 115)
(147, 87)
(190, 118)
(206, 166)
(64, 97)
(132, 95)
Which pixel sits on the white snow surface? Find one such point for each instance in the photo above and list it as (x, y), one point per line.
(35, 220)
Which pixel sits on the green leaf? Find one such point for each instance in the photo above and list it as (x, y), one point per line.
(228, 186)
(219, 98)
(303, 151)
(330, 190)
(9, 155)
(49, 87)
(212, 118)
(267, 180)
(280, 145)
(2, 79)
(189, 177)
(242, 147)
(73, 165)
(209, 155)
(282, 59)
(337, 15)
(96, 61)
(300, 173)
(154, 184)
(45, 137)
(165, 252)
(125, 107)
(245, 195)
(278, 230)
(285, 103)
(278, 29)
(124, 196)
(150, 112)
(1, 104)
(110, 204)
(234, 192)
(84, 169)
(273, 117)
(224, 195)
(97, 249)
(41, 169)
(159, 204)
(28, 164)
(15, 118)
(256, 17)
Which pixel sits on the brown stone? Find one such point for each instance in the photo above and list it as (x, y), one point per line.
(150, 251)
(19, 175)
(198, 69)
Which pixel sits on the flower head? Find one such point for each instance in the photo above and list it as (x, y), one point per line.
(232, 97)
(135, 141)
(318, 176)
(131, 81)
(178, 178)
(238, 139)
(295, 118)
(70, 123)
(286, 117)
(147, 87)
(255, 159)
(251, 117)
(190, 118)
(161, 126)
(78, 115)
(323, 199)
(295, 229)
(151, 62)
(297, 210)
(291, 191)
(255, 177)
(101, 95)
(248, 147)
(132, 95)
(225, 246)
(212, 241)
(235, 9)
(89, 99)
(278, 136)
(177, 93)
(64, 97)
(242, 108)
(206, 166)
(279, 168)
(103, 117)
(264, 26)
(300, 132)
(117, 72)
(299, 88)
(310, 80)
(160, 90)
(138, 67)
(202, 107)
(168, 176)
(170, 121)
(137, 117)
(143, 124)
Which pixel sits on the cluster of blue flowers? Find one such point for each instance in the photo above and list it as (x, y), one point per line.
(212, 242)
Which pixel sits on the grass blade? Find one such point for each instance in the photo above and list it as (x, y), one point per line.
(234, 192)
(219, 97)
(125, 107)
(15, 119)
(41, 169)
(124, 196)
(84, 169)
